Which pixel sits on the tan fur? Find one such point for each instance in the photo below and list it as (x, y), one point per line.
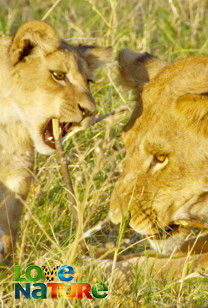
(165, 199)
(30, 95)
(154, 268)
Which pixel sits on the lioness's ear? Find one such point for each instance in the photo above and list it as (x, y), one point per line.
(193, 109)
(95, 56)
(138, 68)
(31, 35)
(188, 75)
(187, 88)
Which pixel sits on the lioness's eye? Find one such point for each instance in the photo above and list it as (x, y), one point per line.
(160, 158)
(58, 75)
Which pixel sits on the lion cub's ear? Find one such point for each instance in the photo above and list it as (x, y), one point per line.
(138, 68)
(95, 56)
(31, 35)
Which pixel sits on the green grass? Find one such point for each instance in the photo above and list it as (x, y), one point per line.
(167, 29)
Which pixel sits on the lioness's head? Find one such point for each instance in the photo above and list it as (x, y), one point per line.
(164, 184)
(50, 79)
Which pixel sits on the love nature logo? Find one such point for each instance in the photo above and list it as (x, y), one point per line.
(36, 290)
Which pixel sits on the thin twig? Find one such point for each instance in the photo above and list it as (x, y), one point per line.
(96, 120)
(78, 241)
(66, 174)
(103, 116)
(106, 115)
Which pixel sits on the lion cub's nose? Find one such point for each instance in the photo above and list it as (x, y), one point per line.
(85, 112)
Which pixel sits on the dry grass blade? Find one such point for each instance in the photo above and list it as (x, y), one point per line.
(50, 10)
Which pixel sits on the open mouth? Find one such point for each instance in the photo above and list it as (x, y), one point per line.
(47, 132)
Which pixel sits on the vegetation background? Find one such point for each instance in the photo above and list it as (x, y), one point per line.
(169, 29)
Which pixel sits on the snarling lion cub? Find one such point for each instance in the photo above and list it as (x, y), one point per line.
(164, 184)
(41, 78)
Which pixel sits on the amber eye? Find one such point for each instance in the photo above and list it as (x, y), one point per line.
(160, 158)
(58, 75)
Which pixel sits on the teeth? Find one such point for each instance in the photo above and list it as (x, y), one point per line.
(50, 138)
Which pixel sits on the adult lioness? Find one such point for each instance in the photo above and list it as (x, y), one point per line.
(164, 185)
(41, 78)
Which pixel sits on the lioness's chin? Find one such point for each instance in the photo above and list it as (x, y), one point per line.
(169, 245)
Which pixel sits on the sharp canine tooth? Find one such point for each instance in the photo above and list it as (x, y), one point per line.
(56, 128)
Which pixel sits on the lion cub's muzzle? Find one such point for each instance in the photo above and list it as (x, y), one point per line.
(47, 130)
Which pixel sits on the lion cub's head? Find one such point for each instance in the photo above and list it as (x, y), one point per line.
(164, 184)
(50, 79)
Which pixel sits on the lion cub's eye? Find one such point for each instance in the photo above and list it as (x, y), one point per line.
(58, 75)
(160, 158)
